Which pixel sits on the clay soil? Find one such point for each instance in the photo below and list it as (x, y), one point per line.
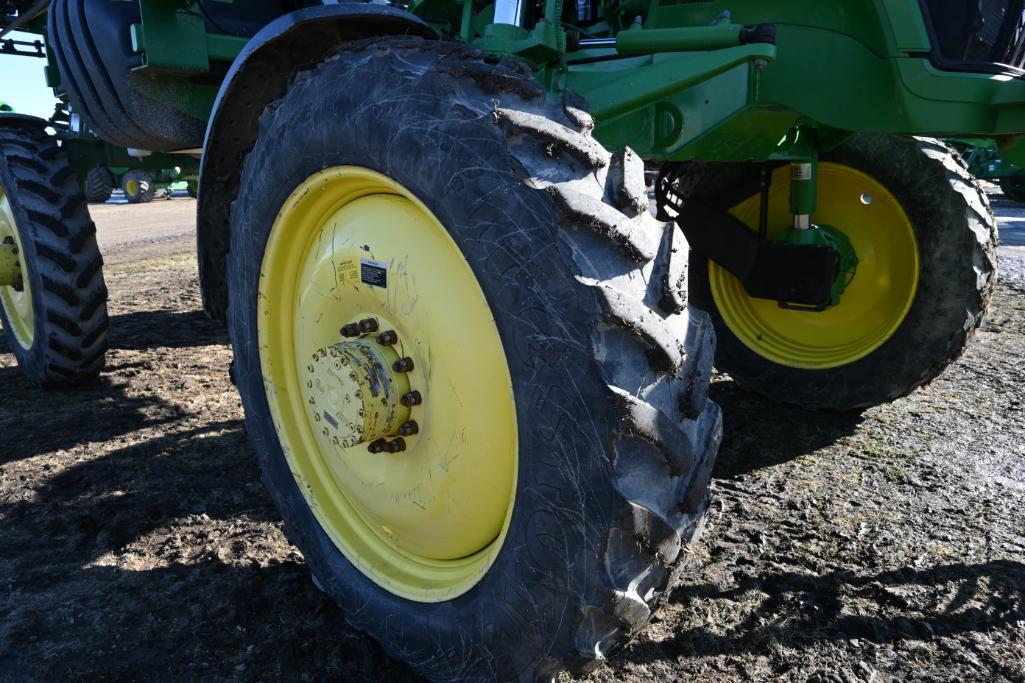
(136, 540)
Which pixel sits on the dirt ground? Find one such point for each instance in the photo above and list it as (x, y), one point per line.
(136, 541)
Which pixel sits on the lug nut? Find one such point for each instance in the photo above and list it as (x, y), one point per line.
(403, 364)
(368, 325)
(378, 445)
(409, 428)
(396, 445)
(413, 398)
(387, 338)
(350, 330)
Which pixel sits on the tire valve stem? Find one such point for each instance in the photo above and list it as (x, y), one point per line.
(377, 445)
(413, 398)
(396, 445)
(387, 338)
(350, 330)
(368, 325)
(403, 364)
(409, 428)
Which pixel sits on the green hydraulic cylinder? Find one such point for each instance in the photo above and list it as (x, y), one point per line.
(802, 192)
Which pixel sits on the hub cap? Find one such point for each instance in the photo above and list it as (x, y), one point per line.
(873, 305)
(387, 383)
(17, 301)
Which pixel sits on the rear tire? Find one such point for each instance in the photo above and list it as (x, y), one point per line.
(138, 187)
(1013, 187)
(99, 185)
(956, 237)
(66, 336)
(609, 366)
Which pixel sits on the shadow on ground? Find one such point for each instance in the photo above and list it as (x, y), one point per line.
(760, 433)
(35, 421)
(166, 328)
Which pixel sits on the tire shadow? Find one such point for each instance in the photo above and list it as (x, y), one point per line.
(35, 420)
(760, 433)
(165, 329)
(166, 555)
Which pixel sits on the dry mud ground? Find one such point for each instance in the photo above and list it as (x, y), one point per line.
(136, 541)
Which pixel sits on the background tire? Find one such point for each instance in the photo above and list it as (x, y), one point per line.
(63, 263)
(609, 366)
(138, 187)
(1013, 187)
(956, 236)
(99, 184)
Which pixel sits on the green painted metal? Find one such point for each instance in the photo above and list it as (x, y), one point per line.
(672, 79)
(172, 37)
(803, 187)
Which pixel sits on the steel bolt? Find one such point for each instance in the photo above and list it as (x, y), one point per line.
(377, 445)
(387, 338)
(350, 330)
(403, 364)
(396, 445)
(413, 398)
(409, 428)
(368, 325)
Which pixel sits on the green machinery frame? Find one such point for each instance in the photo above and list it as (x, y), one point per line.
(673, 79)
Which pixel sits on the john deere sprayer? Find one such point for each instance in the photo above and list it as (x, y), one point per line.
(474, 364)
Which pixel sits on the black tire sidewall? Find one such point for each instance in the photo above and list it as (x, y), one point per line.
(33, 359)
(933, 331)
(529, 602)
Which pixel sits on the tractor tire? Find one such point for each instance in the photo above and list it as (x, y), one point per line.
(608, 367)
(56, 325)
(138, 187)
(99, 185)
(955, 236)
(1013, 187)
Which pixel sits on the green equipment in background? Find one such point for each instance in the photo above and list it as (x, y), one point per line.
(986, 163)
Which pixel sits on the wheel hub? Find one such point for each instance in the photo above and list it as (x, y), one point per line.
(10, 266)
(355, 393)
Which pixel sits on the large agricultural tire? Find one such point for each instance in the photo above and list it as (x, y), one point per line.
(922, 179)
(138, 187)
(99, 184)
(606, 368)
(56, 325)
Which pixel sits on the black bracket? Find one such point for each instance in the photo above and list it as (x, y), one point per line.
(22, 48)
(797, 276)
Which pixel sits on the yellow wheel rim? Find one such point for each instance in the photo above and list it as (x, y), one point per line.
(428, 522)
(131, 187)
(873, 305)
(17, 303)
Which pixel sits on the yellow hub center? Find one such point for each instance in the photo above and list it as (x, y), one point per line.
(873, 305)
(426, 520)
(355, 393)
(16, 298)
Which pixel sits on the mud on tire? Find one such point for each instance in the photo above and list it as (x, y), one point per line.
(610, 367)
(69, 297)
